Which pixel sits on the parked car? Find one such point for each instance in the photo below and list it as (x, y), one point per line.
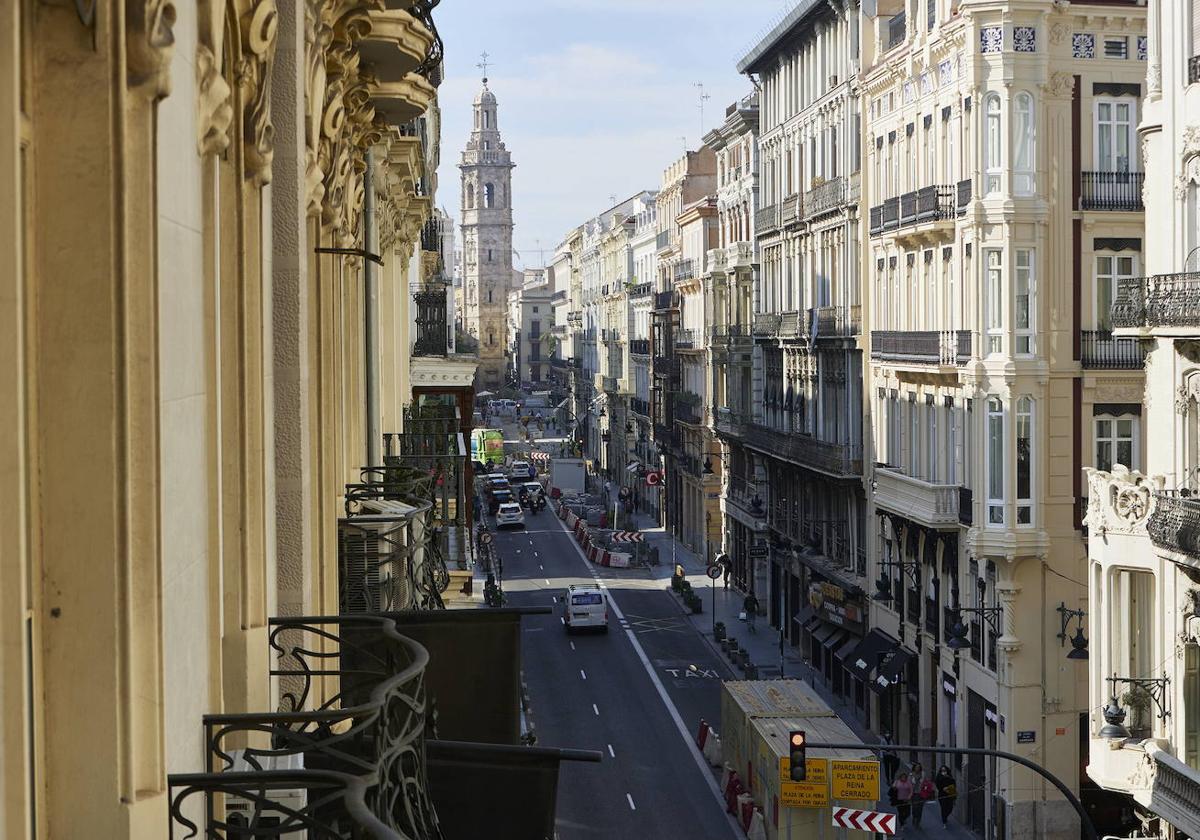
(510, 516)
(586, 608)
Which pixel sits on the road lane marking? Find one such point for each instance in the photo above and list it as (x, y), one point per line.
(563, 620)
(684, 732)
(611, 754)
(540, 566)
(572, 646)
(632, 807)
(547, 581)
(594, 709)
(582, 674)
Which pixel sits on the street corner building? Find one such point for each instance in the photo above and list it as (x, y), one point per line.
(234, 414)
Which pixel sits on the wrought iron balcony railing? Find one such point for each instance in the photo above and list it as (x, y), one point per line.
(362, 749)
(1174, 524)
(433, 331)
(929, 204)
(766, 219)
(730, 423)
(789, 209)
(662, 239)
(684, 270)
(686, 340)
(1193, 69)
(640, 290)
(896, 30)
(687, 410)
(964, 189)
(1161, 300)
(1099, 350)
(664, 300)
(639, 406)
(766, 323)
(832, 321)
(639, 346)
(925, 347)
(825, 198)
(837, 459)
(431, 67)
(1110, 190)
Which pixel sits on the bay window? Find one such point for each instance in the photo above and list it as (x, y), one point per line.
(1132, 619)
(1024, 312)
(1024, 155)
(1116, 441)
(995, 461)
(994, 303)
(1110, 270)
(993, 144)
(1025, 455)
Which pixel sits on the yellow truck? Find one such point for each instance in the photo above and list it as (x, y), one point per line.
(756, 718)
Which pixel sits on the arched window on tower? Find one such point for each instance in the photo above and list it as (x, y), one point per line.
(487, 123)
(489, 195)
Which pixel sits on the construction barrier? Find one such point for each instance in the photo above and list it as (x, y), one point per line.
(619, 561)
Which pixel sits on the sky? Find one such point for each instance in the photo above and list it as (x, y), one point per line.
(595, 96)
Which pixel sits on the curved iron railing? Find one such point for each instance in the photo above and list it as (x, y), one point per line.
(371, 727)
(422, 10)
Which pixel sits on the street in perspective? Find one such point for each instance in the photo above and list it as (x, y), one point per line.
(577, 420)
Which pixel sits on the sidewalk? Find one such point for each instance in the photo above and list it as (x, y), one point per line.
(764, 649)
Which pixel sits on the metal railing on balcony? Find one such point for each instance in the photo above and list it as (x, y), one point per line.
(1099, 350)
(891, 213)
(766, 323)
(1160, 300)
(928, 204)
(687, 409)
(362, 749)
(964, 190)
(662, 239)
(926, 347)
(687, 340)
(432, 327)
(766, 219)
(875, 220)
(639, 406)
(1193, 70)
(1174, 524)
(730, 422)
(832, 321)
(639, 346)
(609, 334)
(837, 459)
(684, 270)
(640, 290)
(789, 209)
(1110, 190)
(825, 197)
(664, 300)
(966, 510)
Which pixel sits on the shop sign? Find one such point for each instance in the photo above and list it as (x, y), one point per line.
(759, 551)
(949, 686)
(989, 715)
(831, 602)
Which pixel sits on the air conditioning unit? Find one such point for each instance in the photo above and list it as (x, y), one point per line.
(241, 812)
(371, 574)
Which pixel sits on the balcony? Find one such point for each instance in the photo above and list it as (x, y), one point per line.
(1193, 70)
(664, 300)
(639, 346)
(1111, 191)
(684, 271)
(639, 406)
(766, 324)
(964, 189)
(432, 329)
(929, 504)
(662, 240)
(789, 324)
(832, 322)
(789, 210)
(825, 198)
(936, 203)
(1157, 780)
(687, 408)
(640, 290)
(716, 261)
(1100, 351)
(766, 219)
(1161, 300)
(730, 423)
(688, 340)
(896, 30)
(946, 348)
(1174, 524)
(739, 255)
(610, 335)
(836, 459)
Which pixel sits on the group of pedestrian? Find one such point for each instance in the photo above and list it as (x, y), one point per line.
(912, 790)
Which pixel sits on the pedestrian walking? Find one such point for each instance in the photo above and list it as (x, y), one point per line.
(923, 791)
(900, 794)
(947, 792)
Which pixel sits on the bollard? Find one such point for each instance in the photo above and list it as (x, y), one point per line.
(702, 735)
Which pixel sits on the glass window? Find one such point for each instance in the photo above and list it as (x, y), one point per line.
(1116, 442)
(489, 195)
(1131, 596)
(1025, 304)
(1024, 158)
(931, 447)
(1115, 123)
(914, 438)
(995, 457)
(1025, 461)
(994, 260)
(952, 447)
(993, 143)
(1110, 270)
(1191, 705)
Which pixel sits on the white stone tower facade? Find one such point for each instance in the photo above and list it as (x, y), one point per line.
(486, 238)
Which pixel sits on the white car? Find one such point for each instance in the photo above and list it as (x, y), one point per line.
(520, 471)
(586, 608)
(510, 515)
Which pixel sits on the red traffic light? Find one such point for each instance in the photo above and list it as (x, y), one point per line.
(797, 766)
(797, 740)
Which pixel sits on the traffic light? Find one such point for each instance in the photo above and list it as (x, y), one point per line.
(797, 741)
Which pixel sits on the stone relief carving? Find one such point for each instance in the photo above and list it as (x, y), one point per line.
(150, 43)
(1060, 85)
(213, 101)
(1190, 159)
(1120, 501)
(253, 73)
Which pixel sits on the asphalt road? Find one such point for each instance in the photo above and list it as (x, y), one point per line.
(596, 692)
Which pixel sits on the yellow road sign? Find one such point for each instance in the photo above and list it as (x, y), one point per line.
(813, 793)
(855, 780)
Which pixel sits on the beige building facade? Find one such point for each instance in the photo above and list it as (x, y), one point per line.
(183, 373)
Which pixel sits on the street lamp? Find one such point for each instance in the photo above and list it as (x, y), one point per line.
(1078, 641)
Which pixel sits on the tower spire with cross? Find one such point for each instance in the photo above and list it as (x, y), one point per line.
(483, 65)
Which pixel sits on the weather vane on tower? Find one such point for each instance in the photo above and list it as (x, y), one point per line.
(483, 65)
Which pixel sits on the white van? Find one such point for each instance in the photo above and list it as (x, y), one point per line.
(586, 608)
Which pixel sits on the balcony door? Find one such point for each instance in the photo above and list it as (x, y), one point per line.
(1116, 120)
(1110, 270)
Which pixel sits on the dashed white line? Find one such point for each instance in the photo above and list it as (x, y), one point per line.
(594, 709)
(610, 752)
(632, 807)
(540, 566)
(572, 646)
(582, 673)
(563, 620)
(547, 581)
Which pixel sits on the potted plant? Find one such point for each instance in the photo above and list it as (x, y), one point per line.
(1138, 701)
(719, 630)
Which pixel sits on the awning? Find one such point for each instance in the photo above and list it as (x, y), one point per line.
(870, 651)
(824, 632)
(803, 615)
(835, 640)
(633, 467)
(847, 646)
(890, 671)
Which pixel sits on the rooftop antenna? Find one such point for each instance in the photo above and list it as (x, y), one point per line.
(704, 97)
(483, 65)
(612, 199)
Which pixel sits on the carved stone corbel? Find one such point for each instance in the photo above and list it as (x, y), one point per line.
(259, 25)
(215, 110)
(149, 45)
